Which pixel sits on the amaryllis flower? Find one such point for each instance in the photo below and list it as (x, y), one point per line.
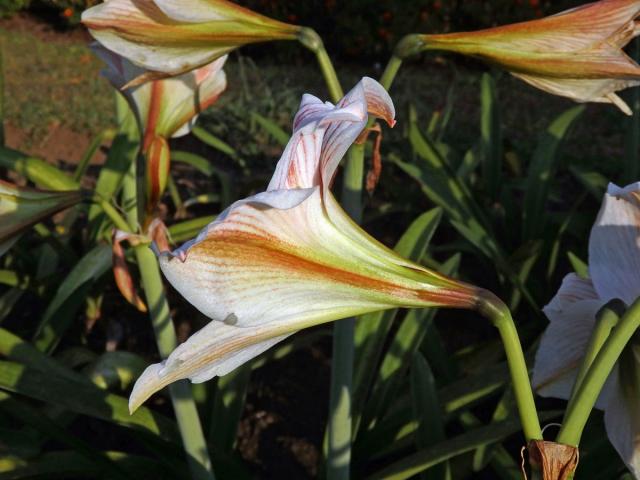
(175, 36)
(576, 54)
(290, 257)
(614, 268)
(164, 108)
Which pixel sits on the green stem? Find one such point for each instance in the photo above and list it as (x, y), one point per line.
(390, 71)
(340, 426)
(590, 388)
(113, 214)
(181, 395)
(494, 309)
(310, 39)
(606, 318)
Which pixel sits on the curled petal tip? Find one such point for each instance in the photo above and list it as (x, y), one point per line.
(147, 384)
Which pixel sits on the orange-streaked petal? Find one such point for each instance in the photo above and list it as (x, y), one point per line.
(577, 54)
(122, 275)
(323, 133)
(176, 37)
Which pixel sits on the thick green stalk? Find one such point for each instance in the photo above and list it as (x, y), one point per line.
(310, 39)
(580, 408)
(606, 318)
(181, 395)
(495, 310)
(340, 420)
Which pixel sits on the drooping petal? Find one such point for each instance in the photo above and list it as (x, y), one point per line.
(189, 94)
(572, 314)
(583, 90)
(194, 11)
(577, 54)
(215, 350)
(622, 413)
(614, 245)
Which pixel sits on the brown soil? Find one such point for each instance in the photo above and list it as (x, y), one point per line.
(45, 27)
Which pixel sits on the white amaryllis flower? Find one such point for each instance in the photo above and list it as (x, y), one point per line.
(576, 54)
(168, 107)
(290, 257)
(175, 36)
(614, 268)
(164, 108)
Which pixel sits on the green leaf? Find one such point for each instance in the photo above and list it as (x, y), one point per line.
(228, 406)
(188, 229)
(430, 456)
(491, 137)
(579, 266)
(272, 128)
(371, 329)
(542, 170)
(116, 370)
(122, 153)
(594, 182)
(404, 344)
(91, 150)
(207, 168)
(21, 207)
(82, 398)
(427, 412)
(69, 464)
(213, 141)
(93, 265)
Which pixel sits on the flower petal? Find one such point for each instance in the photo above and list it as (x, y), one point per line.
(367, 96)
(583, 90)
(571, 314)
(215, 350)
(614, 245)
(195, 11)
(141, 32)
(622, 423)
(323, 133)
(266, 265)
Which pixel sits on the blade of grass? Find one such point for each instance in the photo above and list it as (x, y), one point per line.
(181, 395)
(404, 345)
(228, 405)
(371, 329)
(426, 410)
(491, 137)
(51, 327)
(542, 170)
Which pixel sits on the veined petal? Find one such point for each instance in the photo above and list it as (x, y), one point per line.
(260, 264)
(614, 245)
(195, 11)
(120, 72)
(622, 415)
(583, 90)
(323, 133)
(572, 316)
(193, 33)
(189, 94)
(215, 350)
(367, 96)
